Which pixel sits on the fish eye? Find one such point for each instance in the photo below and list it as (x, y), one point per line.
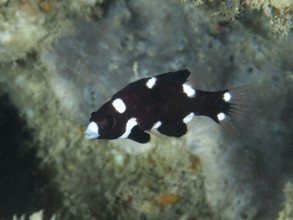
(110, 121)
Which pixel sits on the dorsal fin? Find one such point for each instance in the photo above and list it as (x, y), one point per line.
(179, 76)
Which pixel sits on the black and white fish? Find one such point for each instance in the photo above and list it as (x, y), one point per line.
(166, 103)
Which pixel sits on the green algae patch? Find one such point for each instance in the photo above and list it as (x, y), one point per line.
(287, 212)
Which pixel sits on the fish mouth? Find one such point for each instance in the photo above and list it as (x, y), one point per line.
(92, 131)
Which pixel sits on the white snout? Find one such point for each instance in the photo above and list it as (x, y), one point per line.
(92, 131)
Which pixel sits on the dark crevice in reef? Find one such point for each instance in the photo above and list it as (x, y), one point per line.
(22, 184)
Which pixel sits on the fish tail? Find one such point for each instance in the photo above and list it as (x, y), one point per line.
(224, 107)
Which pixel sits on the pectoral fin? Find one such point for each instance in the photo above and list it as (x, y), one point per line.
(173, 130)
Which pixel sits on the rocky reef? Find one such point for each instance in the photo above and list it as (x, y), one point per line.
(60, 60)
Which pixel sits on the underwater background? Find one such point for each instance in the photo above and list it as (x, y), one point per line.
(61, 60)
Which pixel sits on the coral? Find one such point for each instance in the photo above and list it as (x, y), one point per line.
(28, 26)
(223, 10)
(133, 184)
(168, 199)
(22, 27)
(279, 12)
(88, 8)
(287, 212)
(35, 216)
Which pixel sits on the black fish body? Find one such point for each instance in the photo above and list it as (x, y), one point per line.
(166, 102)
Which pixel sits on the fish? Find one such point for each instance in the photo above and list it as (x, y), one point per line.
(165, 103)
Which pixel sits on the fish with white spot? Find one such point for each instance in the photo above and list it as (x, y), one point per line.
(166, 103)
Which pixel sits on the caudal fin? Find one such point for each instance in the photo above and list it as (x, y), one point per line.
(225, 107)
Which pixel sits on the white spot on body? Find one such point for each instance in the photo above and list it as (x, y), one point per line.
(119, 105)
(151, 82)
(157, 125)
(188, 118)
(221, 116)
(92, 131)
(188, 90)
(129, 125)
(227, 96)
